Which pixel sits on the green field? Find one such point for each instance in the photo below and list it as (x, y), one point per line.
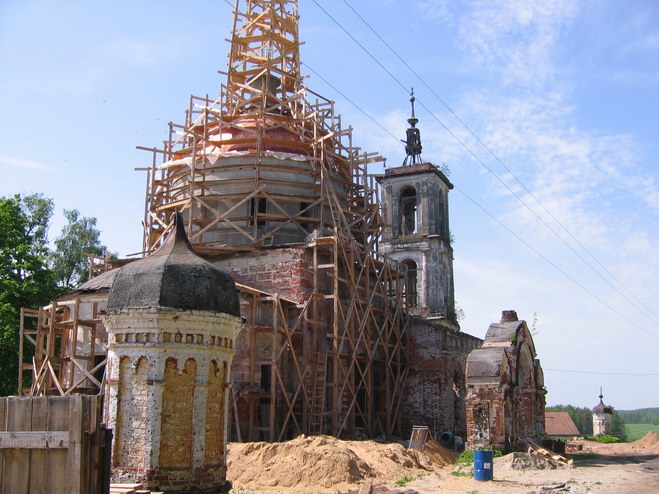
(637, 431)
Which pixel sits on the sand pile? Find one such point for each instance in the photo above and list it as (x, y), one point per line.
(650, 440)
(648, 443)
(526, 461)
(321, 461)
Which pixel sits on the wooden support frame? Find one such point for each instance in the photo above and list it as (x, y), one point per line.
(65, 350)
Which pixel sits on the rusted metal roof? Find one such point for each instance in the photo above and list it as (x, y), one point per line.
(560, 424)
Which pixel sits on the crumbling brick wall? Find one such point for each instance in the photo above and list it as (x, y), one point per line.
(435, 387)
(505, 388)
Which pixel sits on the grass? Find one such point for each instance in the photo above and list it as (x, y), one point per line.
(465, 458)
(637, 431)
(607, 439)
(404, 481)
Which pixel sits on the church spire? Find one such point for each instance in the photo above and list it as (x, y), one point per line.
(413, 142)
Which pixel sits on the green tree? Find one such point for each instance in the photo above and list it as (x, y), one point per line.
(618, 428)
(25, 280)
(79, 237)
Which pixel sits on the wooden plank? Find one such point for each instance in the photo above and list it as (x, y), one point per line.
(34, 440)
(16, 475)
(56, 466)
(41, 439)
(74, 457)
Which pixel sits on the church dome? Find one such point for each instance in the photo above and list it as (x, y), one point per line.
(174, 277)
(602, 408)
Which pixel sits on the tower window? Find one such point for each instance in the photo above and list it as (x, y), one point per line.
(408, 223)
(410, 288)
(257, 207)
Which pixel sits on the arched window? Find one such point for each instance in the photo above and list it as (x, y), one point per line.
(407, 208)
(410, 292)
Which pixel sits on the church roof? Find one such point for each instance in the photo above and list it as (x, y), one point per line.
(602, 408)
(174, 277)
(560, 424)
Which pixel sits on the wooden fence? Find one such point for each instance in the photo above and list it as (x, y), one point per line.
(52, 444)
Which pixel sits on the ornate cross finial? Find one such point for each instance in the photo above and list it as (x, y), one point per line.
(413, 142)
(601, 395)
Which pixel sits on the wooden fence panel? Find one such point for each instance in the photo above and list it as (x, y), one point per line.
(38, 461)
(16, 476)
(51, 444)
(58, 420)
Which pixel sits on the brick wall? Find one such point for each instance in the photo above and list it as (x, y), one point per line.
(177, 408)
(130, 435)
(434, 392)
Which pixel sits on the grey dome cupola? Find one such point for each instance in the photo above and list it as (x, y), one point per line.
(174, 277)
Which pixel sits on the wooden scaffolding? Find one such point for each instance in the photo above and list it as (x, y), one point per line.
(266, 166)
(62, 348)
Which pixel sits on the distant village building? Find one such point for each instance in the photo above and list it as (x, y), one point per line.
(602, 418)
(505, 387)
(560, 425)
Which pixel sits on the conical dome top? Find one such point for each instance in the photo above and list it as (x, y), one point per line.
(174, 277)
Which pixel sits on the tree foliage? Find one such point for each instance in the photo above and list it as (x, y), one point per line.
(79, 237)
(30, 274)
(581, 416)
(25, 280)
(618, 428)
(641, 416)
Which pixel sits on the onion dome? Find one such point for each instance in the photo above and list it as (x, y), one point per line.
(176, 278)
(601, 407)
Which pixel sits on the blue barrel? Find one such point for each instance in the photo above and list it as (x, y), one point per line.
(483, 464)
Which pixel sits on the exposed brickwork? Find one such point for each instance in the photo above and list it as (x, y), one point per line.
(435, 388)
(286, 271)
(130, 432)
(505, 387)
(177, 407)
(176, 400)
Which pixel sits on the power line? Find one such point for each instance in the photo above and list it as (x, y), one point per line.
(487, 148)
(574, 281)
(450, 132)
(504, 226)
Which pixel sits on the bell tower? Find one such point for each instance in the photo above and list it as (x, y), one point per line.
(416, 233)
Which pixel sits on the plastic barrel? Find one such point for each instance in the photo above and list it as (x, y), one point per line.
(483, 464)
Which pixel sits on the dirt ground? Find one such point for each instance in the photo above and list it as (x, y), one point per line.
(322, 464)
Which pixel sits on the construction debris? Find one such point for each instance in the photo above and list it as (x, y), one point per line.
(527, 461)
(539, 450)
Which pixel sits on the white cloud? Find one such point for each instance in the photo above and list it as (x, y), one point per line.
(515, 39)
(22, 163)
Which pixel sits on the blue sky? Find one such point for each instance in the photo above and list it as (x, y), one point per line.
(565, 93)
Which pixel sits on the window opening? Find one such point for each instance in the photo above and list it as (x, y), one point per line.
(408, 211)
(411, 294)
